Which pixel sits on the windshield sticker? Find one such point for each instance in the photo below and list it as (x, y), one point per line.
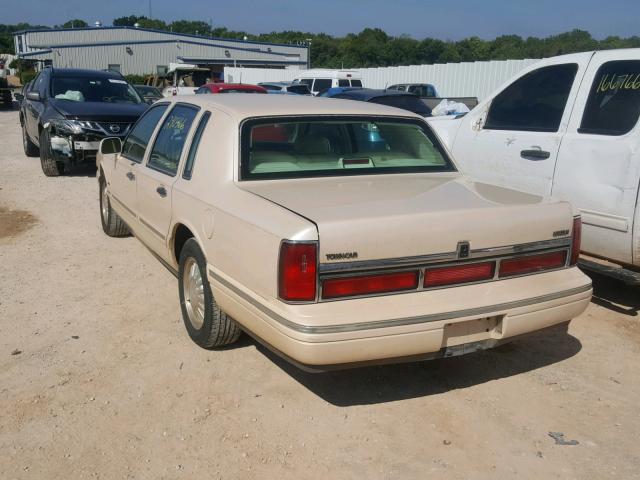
(627, 81)
(113, 80)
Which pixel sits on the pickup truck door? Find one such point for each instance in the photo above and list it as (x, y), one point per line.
(157, 176)
(513, 139)
(599, 161)
(123, 178)
(34, 109)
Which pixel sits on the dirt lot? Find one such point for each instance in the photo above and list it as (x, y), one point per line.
(98, 378)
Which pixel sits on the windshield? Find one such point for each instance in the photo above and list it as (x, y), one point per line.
(311, 147)
(94, 89)
(299, 89)
(406, 102)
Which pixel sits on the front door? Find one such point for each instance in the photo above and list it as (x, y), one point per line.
(599, 161)
(514, 140)
(157, 176)
(123, 183)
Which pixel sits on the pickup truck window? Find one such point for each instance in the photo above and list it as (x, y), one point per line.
(303, 147)
(169, 142)
(534, 102)
(613, 105)
(137, 141)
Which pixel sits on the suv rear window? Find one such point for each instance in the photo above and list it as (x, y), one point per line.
(613, 106)
(303, 147)
(321, 84)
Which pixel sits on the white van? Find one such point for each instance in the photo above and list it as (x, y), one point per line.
(321, 79)
(568, 127)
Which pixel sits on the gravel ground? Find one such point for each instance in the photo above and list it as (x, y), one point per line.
(98, 378)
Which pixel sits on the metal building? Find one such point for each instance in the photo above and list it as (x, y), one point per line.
(142, 51)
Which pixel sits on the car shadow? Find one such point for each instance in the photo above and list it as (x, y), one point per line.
(82, 170)
(614, 295)
(390, 383)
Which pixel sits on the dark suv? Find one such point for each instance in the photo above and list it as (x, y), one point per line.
(66, 112)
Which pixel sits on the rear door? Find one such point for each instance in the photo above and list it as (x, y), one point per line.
(514, 140)
(122, 184)
(599, 160)
(157, 176)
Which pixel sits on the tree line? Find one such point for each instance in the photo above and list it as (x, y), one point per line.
(373, 47)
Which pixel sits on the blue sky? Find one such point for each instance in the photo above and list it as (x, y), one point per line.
(444, 19)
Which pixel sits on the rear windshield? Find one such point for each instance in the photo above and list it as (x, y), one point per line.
(305, 147)
(94, 89)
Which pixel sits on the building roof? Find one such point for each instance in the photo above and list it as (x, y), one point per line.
(151, 30)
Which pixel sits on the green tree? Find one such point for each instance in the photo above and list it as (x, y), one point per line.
(129, 21)
(191, 27)
(76, 23)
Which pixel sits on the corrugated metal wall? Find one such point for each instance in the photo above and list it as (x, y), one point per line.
(468, 79)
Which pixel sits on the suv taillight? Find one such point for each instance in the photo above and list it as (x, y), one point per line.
(297, 271)
(575, 242)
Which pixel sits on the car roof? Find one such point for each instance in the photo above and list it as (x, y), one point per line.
(236, 86)
(366, 94)
(81, 72)
(242, 106)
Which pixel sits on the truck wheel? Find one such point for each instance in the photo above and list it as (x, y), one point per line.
(112, 224)
(30, 148)
(50, 166)
(207, 325)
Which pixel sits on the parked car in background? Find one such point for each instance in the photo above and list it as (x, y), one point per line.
(230, 88)
(181, 79)
(392, 98)
(283, 217)
(319, 80)
(66, 112)
(330, 92)
(419, 89)
(286, 88)
(150, 94)
(568, 127)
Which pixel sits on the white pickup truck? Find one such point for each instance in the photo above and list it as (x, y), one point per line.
(568, 127)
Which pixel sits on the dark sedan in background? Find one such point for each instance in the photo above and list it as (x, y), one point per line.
(391, 98)
(65, 113)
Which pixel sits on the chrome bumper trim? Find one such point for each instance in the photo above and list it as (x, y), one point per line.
(396, 322)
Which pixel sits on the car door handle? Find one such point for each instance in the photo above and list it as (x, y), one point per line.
(535, 155)
(131, 176)
(161, 191)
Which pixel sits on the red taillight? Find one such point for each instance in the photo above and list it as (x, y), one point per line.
(575, 242)
(474, 272)
(297, 271)
(532, 263)
(369, 284)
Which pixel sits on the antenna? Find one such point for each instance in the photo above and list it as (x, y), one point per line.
(150, 13)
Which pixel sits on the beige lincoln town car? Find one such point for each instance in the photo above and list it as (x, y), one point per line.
(335, 232)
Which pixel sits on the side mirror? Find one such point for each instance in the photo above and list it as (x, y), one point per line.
(110, 145)
(19, 97)
(33, 96)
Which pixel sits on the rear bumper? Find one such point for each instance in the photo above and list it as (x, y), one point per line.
(429, 324)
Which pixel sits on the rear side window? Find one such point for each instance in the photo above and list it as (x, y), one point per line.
(534, 102)
(613, 105)
(137, 141)
(169, 143)
(321, 84)
(356, 83)
(343, 83)
(193, 149)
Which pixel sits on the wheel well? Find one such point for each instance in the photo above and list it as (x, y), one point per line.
(179, 239)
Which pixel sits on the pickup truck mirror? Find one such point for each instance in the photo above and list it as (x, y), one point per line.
(110, 145)
(33, 96)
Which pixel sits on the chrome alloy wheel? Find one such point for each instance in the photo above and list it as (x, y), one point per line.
(104, 204)
(193, 289)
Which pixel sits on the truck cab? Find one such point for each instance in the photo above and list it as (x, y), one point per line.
(568, 127)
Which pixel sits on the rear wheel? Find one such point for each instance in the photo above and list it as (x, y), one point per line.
(30, 148)
(50, 166)
(207, 325)
(112, 224)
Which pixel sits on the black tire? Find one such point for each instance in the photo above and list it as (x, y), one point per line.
(218, 329)
(50, 167)
(30, 148)
(112, 223)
